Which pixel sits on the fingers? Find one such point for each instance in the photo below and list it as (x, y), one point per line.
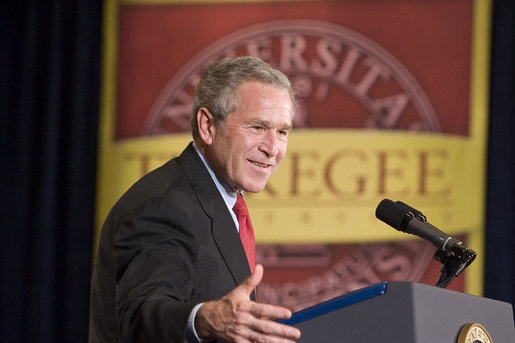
(253, 329)
(226, 321)
(268, 328)
(268, 311)
(236, 318)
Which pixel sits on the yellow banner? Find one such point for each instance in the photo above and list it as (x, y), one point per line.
(332, 179)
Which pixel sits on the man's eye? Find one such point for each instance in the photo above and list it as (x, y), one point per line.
(283, 133)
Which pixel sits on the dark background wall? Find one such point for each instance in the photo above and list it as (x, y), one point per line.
(50, 57)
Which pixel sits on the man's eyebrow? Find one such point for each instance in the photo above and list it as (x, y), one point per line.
(262, 122)
(288, 127)
(268, 124)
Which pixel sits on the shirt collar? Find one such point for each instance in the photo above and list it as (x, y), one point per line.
(223, 188)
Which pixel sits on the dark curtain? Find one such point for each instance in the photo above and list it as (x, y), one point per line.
(49, 62)
(50, 70)
(500, 222)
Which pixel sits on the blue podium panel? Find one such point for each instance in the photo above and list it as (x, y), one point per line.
(402, 312)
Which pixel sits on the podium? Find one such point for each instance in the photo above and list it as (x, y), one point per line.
(403, 312)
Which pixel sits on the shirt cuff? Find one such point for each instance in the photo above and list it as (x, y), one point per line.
(191, 333)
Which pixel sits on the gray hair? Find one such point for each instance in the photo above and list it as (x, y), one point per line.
(219, 84)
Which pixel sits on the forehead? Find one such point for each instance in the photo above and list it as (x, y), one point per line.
(254, 85)
(256, 96)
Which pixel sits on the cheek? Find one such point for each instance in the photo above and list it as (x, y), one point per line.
(283, 147)
(282, 153)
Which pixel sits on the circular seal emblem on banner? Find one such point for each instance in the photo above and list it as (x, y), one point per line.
(474, 333)
(329, 65)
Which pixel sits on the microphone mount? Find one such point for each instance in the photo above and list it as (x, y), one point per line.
(454, 260)
(451, 253)
(453, 263)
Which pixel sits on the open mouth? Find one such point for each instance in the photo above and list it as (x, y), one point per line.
(261, 165)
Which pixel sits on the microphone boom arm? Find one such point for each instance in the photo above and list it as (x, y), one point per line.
(453, 255)
(453, 263)
(454, 259)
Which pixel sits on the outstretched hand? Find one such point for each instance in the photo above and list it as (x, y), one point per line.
(235, 318)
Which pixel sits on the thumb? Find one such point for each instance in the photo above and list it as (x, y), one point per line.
(251, 283)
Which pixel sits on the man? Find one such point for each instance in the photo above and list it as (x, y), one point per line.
(171, 266)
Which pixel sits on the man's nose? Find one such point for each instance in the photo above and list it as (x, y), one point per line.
(270, 144)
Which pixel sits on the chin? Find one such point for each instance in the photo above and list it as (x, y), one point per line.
(253, 188)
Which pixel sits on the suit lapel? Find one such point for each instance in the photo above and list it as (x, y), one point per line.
(224, 233)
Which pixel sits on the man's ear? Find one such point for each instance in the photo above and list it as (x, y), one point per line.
(206, 125)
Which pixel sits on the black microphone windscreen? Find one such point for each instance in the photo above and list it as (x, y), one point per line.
(391, 213)
(408, 208)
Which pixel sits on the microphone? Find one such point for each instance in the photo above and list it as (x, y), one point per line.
(407, 219)
(454, 256)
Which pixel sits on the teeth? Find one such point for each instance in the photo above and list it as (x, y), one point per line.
(259, 164)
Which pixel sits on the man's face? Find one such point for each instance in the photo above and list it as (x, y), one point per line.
(251, 143)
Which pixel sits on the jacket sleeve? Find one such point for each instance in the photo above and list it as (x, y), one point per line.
(156, 253)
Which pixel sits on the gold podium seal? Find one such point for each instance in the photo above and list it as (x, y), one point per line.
(474, 333)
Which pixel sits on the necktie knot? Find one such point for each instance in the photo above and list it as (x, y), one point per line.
(240, 208)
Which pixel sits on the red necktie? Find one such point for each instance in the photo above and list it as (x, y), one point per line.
(246, 231)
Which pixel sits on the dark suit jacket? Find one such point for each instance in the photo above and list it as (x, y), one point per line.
(168, 244)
